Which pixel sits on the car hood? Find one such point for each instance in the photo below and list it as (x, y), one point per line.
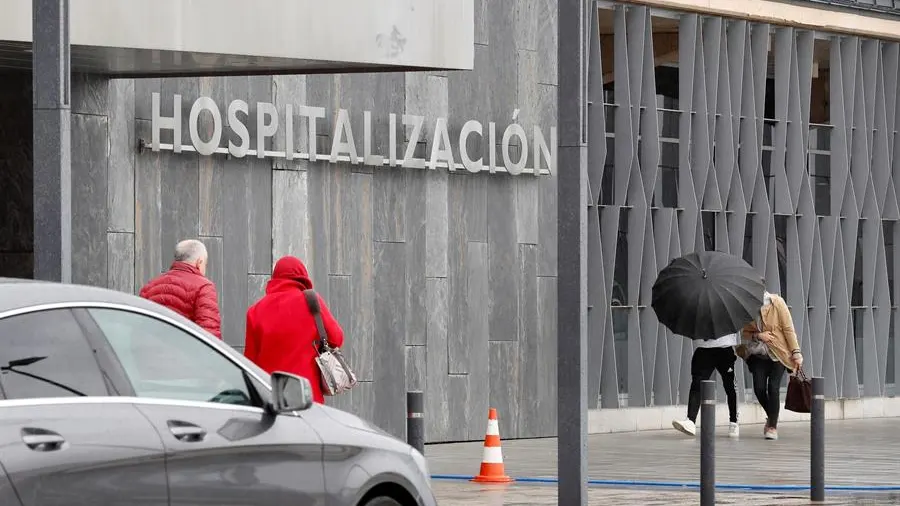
(351, 421)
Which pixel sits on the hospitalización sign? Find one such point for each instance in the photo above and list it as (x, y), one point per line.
(343, 146)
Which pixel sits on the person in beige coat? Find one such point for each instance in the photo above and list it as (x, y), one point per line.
(770, 348)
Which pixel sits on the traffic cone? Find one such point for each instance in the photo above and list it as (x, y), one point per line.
(492, 470)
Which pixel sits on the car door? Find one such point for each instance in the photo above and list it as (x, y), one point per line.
(221, 446)
(64, 440)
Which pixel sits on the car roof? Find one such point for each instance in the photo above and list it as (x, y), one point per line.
(18, 293)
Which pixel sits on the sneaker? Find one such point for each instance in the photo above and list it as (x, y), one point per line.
(771, 433)
(734, 430)
(686, 426)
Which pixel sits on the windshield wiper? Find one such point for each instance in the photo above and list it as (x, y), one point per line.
(11, 367)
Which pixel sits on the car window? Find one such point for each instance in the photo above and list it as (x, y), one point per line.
(46, 354)
(165, 362)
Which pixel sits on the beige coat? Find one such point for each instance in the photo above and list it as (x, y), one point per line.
(776, 318)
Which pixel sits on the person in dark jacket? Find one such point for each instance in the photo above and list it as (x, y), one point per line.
(281, 330)
(185, 289)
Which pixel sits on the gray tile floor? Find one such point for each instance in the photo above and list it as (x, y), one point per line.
(465, 494)
(858, 452)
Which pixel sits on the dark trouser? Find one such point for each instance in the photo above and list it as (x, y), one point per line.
(703, 363)
(767, 377)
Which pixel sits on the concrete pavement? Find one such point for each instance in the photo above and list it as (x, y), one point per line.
(465, 494)
(859, 453)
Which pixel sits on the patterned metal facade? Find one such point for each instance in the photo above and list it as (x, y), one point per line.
(886, 6)
(773, 143)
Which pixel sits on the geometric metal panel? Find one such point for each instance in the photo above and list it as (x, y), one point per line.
(891, 7)
(772, 143)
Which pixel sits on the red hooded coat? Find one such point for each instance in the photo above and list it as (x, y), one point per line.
(281, 330)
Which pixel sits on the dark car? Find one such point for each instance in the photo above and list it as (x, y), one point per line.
(108, 399)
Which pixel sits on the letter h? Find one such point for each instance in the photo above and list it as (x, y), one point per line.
(172, 123)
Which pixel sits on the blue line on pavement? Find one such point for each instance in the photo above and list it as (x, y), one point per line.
(692, 485)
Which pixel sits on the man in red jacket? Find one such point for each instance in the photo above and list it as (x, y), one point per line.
(281, 329)
(185, 288)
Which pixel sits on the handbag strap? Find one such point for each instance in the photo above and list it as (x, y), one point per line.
(312, 301)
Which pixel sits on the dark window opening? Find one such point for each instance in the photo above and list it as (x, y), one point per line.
(620, 276)
(607, 183)
(858, 336)
(748, 239)
(709, 230)
(856, 291)
(781, 247)
(819, 168)
(620, 329)
(891, 375)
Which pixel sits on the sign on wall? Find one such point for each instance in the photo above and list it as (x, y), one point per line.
(513, 159)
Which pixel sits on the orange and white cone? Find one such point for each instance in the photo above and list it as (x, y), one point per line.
(492, 470)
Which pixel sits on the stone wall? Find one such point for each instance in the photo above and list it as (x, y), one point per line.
(443, 281)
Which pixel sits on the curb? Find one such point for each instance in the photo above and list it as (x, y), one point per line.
(688, 485)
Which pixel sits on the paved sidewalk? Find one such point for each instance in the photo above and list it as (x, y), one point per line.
(858, 452)
(465, 494)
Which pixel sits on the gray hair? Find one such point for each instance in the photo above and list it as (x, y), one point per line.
(190, 251)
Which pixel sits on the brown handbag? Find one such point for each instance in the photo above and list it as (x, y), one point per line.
(799, 393)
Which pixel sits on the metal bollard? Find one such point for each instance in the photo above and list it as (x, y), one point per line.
(708, 444)
(817, 442)
(415, 420)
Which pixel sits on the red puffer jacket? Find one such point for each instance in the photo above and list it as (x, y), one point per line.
(186, 291)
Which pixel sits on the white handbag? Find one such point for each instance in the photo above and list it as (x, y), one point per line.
(337, 376)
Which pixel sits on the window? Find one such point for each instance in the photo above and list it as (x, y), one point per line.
(620, 332)
(165, 362)
(891, 377)
(708, 219)
(781, 250)
(856, 290)
(887, 228)
(819, 167)
(667, 187)
(46, 354)
(859, 334)
(748, 239)
(620, 274)
(608, 181)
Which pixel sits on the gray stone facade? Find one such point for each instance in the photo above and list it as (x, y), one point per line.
(443, 281)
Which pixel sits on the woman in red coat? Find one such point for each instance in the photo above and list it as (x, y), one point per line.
(281, 330)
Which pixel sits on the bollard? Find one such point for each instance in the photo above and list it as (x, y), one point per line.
(415, 420)
(708, 444)
(817, 442)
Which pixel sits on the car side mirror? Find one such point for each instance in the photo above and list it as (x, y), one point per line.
(289, 393)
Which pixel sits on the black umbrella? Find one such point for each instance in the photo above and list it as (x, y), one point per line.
(708, 294)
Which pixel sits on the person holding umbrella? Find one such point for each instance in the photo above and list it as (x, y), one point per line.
(708, 296)
(770, 348)
(712, 355)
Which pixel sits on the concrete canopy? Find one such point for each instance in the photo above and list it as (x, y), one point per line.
(219, 37)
